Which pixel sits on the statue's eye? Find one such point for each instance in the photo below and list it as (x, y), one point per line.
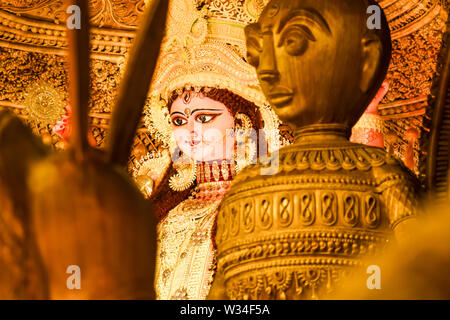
(205, 118)
(178, 121)
(296, 40)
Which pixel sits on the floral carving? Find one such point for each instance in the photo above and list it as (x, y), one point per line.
(414, 60)
(104, 13)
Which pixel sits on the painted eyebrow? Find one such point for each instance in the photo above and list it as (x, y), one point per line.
(195, 110)
(309, 14)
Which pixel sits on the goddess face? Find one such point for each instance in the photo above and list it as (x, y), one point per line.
(202, 127)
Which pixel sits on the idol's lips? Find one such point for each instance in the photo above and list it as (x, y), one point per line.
(194, 142)
(281, 96)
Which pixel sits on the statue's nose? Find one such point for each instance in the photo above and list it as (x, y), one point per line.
(269, 76)
(267, 68)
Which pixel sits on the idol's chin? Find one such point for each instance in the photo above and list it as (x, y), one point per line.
(207, 158)
(291, 113)
(199, 157)
(285, 112)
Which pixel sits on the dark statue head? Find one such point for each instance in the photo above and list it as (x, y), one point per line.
(317, 60)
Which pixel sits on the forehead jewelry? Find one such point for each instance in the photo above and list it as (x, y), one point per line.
(187, 112)
(186, 97)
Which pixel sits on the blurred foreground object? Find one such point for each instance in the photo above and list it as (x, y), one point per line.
(416, 269)
(79, 207)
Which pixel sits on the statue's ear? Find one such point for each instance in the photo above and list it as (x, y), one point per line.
(371, 55)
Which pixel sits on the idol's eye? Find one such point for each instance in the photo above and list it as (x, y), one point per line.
(178, 121)
(296, 40)
(205, 118)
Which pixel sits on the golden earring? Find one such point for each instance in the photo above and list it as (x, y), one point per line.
(185, 176)
(246, 122)
(242, 138)
(250, 151)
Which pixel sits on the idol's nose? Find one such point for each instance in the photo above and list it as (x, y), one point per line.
(267, 69)
(195, 131)
(269, 76)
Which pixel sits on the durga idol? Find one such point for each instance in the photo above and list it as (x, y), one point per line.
(204, 100)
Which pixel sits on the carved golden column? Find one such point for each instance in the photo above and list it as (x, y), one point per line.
(294, 234)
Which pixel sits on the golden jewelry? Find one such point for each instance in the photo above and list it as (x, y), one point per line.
(152, 164)
(187, 97)
(224, 167)
(201, 171)
(247, 157)
(246, 122)
(246, 148)
(185, 176)
(43, 103)
(155, 161)
(215, 170)
(233, 168)
(207, 172)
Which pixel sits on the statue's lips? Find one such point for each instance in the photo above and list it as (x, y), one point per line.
(281, 96)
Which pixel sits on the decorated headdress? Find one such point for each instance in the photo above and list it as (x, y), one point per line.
(205, 47)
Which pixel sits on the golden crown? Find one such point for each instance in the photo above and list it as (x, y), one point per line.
(205, 47)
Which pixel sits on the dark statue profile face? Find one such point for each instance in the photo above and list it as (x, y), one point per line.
(311, 57)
